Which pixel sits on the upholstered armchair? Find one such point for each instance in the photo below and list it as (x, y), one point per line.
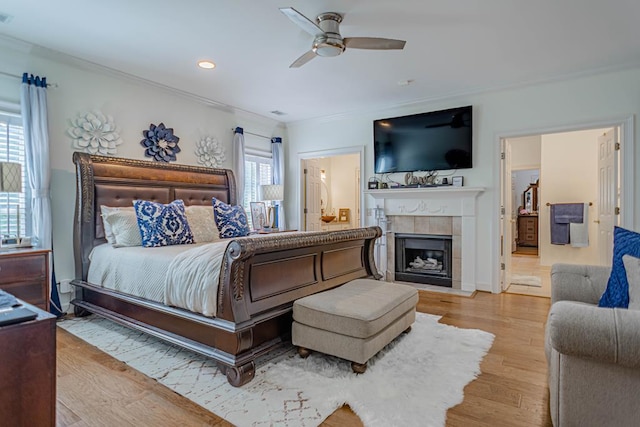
(593, 353)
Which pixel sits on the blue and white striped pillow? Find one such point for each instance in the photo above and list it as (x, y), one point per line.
(162, 225)
(231, 220)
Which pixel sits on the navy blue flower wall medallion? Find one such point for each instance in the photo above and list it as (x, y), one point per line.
(160, 143)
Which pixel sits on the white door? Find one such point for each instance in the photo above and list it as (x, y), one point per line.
(607, 193)
(507, 215)
(312, 195)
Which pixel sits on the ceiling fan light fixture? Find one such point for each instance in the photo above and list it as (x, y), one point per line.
(206, 64)
(327, 50)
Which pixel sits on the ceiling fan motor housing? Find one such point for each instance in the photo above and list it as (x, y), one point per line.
(330, 43)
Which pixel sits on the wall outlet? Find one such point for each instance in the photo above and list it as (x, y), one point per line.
(65, 286)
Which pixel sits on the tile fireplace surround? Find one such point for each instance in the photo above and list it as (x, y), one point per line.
(443, 210)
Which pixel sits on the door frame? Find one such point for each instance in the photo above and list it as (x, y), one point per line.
(356, 149)
(626, 173)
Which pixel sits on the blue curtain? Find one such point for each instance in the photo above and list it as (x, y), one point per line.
(33, 104)
(238, 162)
(277, 154)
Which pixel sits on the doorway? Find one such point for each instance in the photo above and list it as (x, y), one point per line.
(539, 172)
(330, 189)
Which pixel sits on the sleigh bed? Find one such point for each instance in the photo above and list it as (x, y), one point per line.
(259, 279)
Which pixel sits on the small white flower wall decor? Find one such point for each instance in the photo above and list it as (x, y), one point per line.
(95, 133)
(210, 152)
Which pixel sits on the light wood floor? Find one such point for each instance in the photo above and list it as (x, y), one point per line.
(529, 265)
(96, 390)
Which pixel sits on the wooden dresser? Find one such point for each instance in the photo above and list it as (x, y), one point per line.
(528, 230)
(28, 372)
(24, 273)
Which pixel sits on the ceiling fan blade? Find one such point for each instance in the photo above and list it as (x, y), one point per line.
(306, 57)
(373, 43)
(302, 21)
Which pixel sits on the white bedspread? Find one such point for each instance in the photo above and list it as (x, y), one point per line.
(193, 276)
(184, 276)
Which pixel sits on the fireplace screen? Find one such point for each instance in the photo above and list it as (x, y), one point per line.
(422, 258)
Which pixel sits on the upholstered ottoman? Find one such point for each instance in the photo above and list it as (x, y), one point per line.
(353, 321)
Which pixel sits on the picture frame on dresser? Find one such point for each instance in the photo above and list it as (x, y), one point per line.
(343, 215)
(258, 215)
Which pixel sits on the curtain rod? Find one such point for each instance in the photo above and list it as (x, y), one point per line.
(53, 85)
(254, 134)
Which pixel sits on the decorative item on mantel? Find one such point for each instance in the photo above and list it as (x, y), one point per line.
(160, 143)
(210, 152)
(94, 133)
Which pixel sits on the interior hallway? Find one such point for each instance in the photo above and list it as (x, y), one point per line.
(529, 266)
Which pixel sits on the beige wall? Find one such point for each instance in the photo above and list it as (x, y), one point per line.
(568, 174)
(341, 182)
(525, 152)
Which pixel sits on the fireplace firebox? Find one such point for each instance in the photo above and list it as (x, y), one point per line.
(423, 258)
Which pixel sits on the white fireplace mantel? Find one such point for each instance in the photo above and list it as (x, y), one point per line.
(428, 201)
(439, 201)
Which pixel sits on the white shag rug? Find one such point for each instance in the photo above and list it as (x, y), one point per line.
(518, 279)
(411, 382)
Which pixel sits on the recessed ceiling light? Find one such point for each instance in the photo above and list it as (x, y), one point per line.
(207, 65)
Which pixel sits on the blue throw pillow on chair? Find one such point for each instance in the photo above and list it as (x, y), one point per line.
(625, 242)
(231, 220)
(162, 225)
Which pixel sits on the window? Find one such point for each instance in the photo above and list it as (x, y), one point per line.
(257, 172)
(13, 206)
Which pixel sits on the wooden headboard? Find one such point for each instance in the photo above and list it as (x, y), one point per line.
(113, 181)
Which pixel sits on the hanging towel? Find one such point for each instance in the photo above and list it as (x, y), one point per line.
(579, 232)
(563, 214)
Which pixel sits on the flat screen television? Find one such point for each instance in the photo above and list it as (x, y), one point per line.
(436, 140)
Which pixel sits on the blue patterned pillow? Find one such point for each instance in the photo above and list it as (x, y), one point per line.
(162, 225)
(625, 242)
(231, 220)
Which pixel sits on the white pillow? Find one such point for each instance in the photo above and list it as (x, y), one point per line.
(632, 265)
(202, 223)
(124, 227)
(106, 210)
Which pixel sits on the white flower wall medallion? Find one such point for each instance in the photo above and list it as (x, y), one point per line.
(95, 133)
(210, 152)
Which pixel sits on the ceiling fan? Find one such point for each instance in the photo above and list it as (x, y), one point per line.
(327, 39)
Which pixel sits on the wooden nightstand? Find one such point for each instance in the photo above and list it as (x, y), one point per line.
(28, 371)
(24, 273)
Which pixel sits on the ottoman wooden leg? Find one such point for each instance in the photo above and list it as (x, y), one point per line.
(406, 331)
(304, 352)
(359, 368)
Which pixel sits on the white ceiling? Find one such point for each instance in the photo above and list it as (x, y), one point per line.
(453, 47)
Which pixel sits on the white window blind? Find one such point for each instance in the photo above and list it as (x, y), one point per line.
(13, 206)
(257, 172)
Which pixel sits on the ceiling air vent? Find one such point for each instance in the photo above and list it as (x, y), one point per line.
(4, 18)
(277, 113)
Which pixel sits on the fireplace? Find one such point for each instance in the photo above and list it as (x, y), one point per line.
(424, 258)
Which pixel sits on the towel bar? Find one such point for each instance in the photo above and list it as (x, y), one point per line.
(590, 204)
